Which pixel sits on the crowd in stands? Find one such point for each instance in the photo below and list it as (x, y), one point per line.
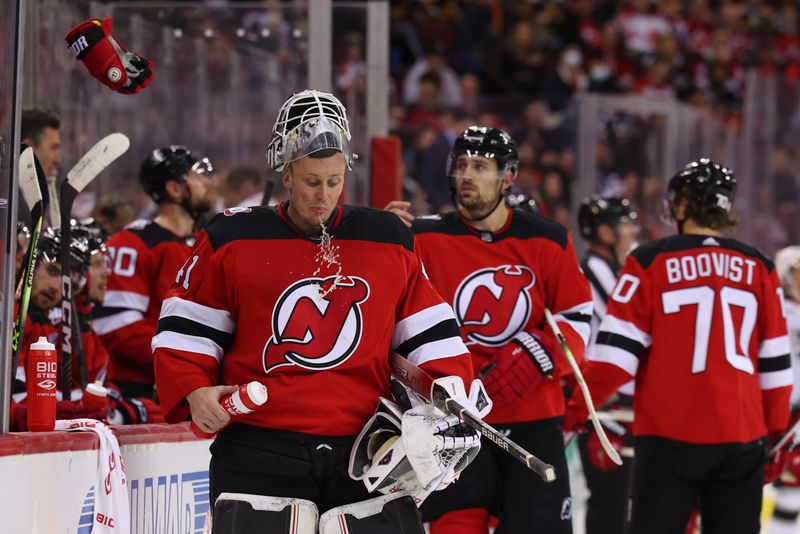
(519, 66)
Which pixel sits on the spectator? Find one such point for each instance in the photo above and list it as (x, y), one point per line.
(433, 61)
(243, 187)
(39, 130)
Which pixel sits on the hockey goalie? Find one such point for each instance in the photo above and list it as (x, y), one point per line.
(309, 297)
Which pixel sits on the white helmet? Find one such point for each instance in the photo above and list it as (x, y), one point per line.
(785, 260)
(308, 122)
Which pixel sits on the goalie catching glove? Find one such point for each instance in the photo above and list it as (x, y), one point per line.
(518, 367)
(107, 60)
(420, 450)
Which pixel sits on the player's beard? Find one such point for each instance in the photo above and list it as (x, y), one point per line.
(201, 205)
(476, 204)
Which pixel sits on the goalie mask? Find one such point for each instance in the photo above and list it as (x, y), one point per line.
(307, 123)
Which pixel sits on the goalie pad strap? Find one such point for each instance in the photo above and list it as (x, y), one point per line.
(388, 514)
(243, 513)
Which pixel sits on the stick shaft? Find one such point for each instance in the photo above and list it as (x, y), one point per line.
(610, 450)
(422, 383)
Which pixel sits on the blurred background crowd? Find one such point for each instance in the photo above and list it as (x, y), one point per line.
(524, 66)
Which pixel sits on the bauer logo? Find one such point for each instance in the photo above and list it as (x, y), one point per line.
(175, 502)
(78, 45)
(316, 332)
(492, 305)
(114, 74)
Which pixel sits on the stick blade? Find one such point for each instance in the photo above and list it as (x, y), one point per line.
(28, 180)
(100, 156)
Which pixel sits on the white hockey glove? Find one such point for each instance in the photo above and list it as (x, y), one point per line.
(440, 446)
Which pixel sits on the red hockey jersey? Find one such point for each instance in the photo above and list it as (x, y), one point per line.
(145, 257)
(247, 305)
(499, 284)
(40, 324)
(698, 321)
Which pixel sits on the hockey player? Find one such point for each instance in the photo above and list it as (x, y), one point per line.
(144, 258)
(308, 297)
(500, 267)
(608, 224)
(787, 500)
(44, 319)
(696, 318)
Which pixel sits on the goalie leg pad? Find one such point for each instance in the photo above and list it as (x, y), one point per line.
(387, 514)
(243, 513)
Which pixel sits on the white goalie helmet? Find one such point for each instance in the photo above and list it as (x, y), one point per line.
(308, 122)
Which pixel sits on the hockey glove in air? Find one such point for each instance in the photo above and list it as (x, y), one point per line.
(518, 367)
(107, 60)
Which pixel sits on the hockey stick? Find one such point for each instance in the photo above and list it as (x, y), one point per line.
(601, 433)
(100, 156)
(29, 181)
(267, 193)
(786, 438)
(421, 382)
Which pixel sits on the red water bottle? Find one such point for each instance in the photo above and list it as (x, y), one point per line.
(247, 399)
(41, 375)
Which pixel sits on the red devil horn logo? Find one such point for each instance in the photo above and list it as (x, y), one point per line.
(316, 332)
(492, 305)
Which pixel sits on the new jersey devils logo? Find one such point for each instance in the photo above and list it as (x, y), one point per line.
(492, 305)
(313, 332)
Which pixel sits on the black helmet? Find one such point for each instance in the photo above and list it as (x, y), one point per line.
(49, 249)
(22, 229)
(704, 183)
(596, 210)
(487, 142)
(169, 163)
(89, 230)
(523, 202)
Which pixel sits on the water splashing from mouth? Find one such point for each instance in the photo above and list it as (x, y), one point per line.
(326, 258)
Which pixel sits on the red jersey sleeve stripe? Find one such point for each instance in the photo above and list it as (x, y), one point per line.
(436, 350)
(614, 356)
(579, 318)
(776, 379)
(195, 344)
(106, 325)
(777, 346)
(206, 315)
(614, 325)
(419, 322)
(126, 299)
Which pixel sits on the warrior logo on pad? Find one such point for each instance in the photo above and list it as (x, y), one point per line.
(313, 332)
(491, 305)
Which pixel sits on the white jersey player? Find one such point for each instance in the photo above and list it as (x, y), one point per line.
(787, 500)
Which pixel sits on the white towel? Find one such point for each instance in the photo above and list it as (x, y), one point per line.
(111, 504)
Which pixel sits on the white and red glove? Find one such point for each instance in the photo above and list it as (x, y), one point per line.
(518, 367)
(107, 60)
